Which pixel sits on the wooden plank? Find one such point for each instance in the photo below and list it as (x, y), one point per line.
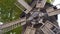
(51, 11)
(30, 30)
(41, 4)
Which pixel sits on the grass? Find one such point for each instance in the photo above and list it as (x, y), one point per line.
(9, 12)
(18, 30)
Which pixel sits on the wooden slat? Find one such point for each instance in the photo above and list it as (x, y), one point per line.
(30, 30)
(23, 3)
(12, 23)
(51, 11)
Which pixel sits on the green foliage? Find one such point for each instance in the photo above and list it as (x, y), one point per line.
(49, 1)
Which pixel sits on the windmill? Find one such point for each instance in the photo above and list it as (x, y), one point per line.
(38, 18)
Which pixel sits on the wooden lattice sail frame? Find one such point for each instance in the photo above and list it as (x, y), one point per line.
(38, 18)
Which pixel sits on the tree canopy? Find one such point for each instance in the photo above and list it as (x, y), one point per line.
(49, 1)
